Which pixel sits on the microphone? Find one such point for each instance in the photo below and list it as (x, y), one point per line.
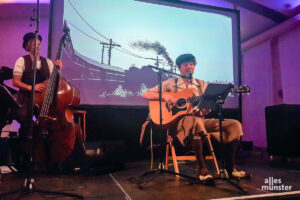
(190, 77)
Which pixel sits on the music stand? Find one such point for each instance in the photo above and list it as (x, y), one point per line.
(214, 98)
(7, 99)
(5, 73)
(7, 105)
(214, 92)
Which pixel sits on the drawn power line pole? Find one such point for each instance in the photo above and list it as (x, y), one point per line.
(103, 47)
(110, 45)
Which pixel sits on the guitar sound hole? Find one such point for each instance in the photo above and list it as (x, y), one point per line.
(181, 102)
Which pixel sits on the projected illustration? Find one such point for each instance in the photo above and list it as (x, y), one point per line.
(113, 42)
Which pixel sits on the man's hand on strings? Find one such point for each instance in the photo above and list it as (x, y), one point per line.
(205, 111)
(168, 99)
(202, 112)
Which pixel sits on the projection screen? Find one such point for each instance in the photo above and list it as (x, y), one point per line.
(113, 42)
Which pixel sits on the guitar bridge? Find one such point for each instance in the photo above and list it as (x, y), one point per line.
(168, 107)
(175, 109)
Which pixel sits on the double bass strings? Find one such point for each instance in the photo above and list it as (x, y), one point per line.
(49, 93)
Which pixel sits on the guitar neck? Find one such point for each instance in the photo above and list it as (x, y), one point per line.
(56, 68)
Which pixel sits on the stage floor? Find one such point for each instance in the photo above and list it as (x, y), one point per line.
(117, 185)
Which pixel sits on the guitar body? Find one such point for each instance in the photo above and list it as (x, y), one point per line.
(183, 106)
(171, 113)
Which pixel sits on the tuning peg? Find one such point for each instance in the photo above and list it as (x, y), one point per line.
(31, 19)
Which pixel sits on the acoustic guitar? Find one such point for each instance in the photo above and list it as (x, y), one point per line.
(186, 101)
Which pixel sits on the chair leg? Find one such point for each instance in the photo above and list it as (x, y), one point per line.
(176, 169)
(167, 156)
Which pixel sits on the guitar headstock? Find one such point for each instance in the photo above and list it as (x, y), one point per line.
(241, 89)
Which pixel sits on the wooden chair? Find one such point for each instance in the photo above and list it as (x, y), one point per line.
(171, 149)
(173, 157)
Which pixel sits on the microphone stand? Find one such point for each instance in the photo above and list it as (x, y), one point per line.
(29, 185)
(160, 169)
(223, 172)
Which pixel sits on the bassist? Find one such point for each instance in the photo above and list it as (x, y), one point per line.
(23, 77)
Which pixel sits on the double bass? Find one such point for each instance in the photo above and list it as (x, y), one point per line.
(55, 132)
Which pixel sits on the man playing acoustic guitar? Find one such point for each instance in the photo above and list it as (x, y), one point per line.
(190, 129)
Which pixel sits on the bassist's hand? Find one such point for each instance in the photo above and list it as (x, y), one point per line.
(40, 87)
(169, 99)
(58, 63)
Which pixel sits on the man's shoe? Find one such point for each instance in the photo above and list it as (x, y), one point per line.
(205, 177)
(237, 173)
